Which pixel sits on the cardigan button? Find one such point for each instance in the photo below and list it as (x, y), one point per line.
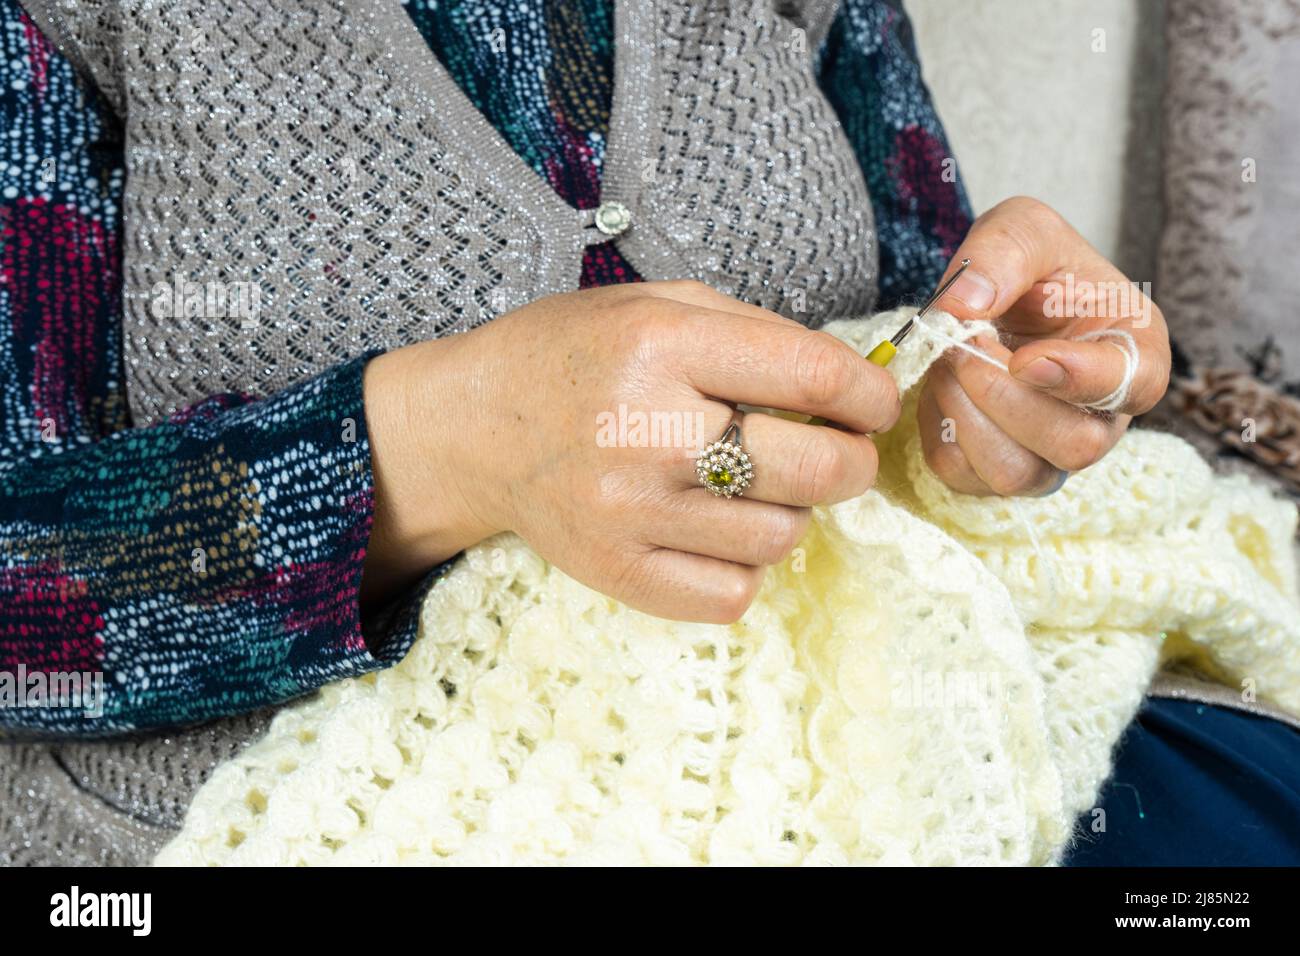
(613, 218)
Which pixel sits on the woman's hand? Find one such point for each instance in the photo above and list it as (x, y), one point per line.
(500, 429)
(986, 432)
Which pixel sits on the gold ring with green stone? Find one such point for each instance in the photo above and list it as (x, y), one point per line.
(723, 467)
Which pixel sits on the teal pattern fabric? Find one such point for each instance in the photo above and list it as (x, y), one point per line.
(211, 564)
(871, 73)
(542, 73)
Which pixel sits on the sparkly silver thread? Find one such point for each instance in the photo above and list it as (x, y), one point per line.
(393, 212)
(729, 160)
(111, 802)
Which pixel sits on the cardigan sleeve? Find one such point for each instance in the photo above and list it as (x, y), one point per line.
(869, 70)
(152, 577)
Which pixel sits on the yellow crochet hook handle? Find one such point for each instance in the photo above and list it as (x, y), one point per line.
(885, 351)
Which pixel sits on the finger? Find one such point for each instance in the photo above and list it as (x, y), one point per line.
(1093, 372)
(939, 445)
(803, 465)
(689, 587)
(1002, 463)
(1013, 247)
(736, 359)
(739, 530)
(691, 292)
(1069, 438)
(1023, 253)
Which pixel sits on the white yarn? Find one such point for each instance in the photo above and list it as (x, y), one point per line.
(959, 343)
(537, 721)
(1014, 504)
(1116, 399)
(1048, 565)
(1124, 342)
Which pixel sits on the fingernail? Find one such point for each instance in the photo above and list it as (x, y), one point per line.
(1042, 373)
(1058, 485)
(975, 290)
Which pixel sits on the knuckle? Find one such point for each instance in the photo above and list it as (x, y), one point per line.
(1087, 443)
(865, 477)
(948, 462)
(733, 596)
(640, 317)
(645, 322)
(885, 402)
(630, 579)
(822, 371)
(988, 387)
(690, 288)
(1019, 224)
(819, 469)
(783, 533)
(1155, 386)
(895, 405)
(1032, 210)
(1016, 242)
(1019, 475)
(611, 494)
(659, 310)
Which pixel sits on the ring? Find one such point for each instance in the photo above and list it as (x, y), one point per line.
(723, 467)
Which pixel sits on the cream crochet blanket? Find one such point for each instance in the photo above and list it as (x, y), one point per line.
(927, 680)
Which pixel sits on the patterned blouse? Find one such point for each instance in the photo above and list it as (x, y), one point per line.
(126, 557)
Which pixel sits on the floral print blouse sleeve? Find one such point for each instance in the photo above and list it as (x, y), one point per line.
(869, 70)
(211, 564)
(207, 565)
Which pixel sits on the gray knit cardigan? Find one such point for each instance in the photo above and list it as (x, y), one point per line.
(319, 152)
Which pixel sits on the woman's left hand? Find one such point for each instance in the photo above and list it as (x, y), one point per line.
(987, 432)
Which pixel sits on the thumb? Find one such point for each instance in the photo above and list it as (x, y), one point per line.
(1012, 247)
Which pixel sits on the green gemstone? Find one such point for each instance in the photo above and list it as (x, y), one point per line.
(719, 477)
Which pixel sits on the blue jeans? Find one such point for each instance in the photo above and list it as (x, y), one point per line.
(1198, 785)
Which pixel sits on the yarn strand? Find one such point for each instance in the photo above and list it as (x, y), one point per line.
(1122, 340)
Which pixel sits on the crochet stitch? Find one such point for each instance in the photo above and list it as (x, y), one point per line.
(900, 692)
(106, 583)
(116, 801)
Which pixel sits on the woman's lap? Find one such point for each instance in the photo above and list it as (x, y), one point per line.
(1196, 784)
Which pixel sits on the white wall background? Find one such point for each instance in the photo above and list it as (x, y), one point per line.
(1031, 108)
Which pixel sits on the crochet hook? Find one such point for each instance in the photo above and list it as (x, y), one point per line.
(885, 351)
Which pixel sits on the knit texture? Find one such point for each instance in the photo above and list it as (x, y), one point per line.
(931, 678)
(547, 93)
(355, 189)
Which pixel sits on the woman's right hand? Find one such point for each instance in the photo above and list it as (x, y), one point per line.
(499, 429)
